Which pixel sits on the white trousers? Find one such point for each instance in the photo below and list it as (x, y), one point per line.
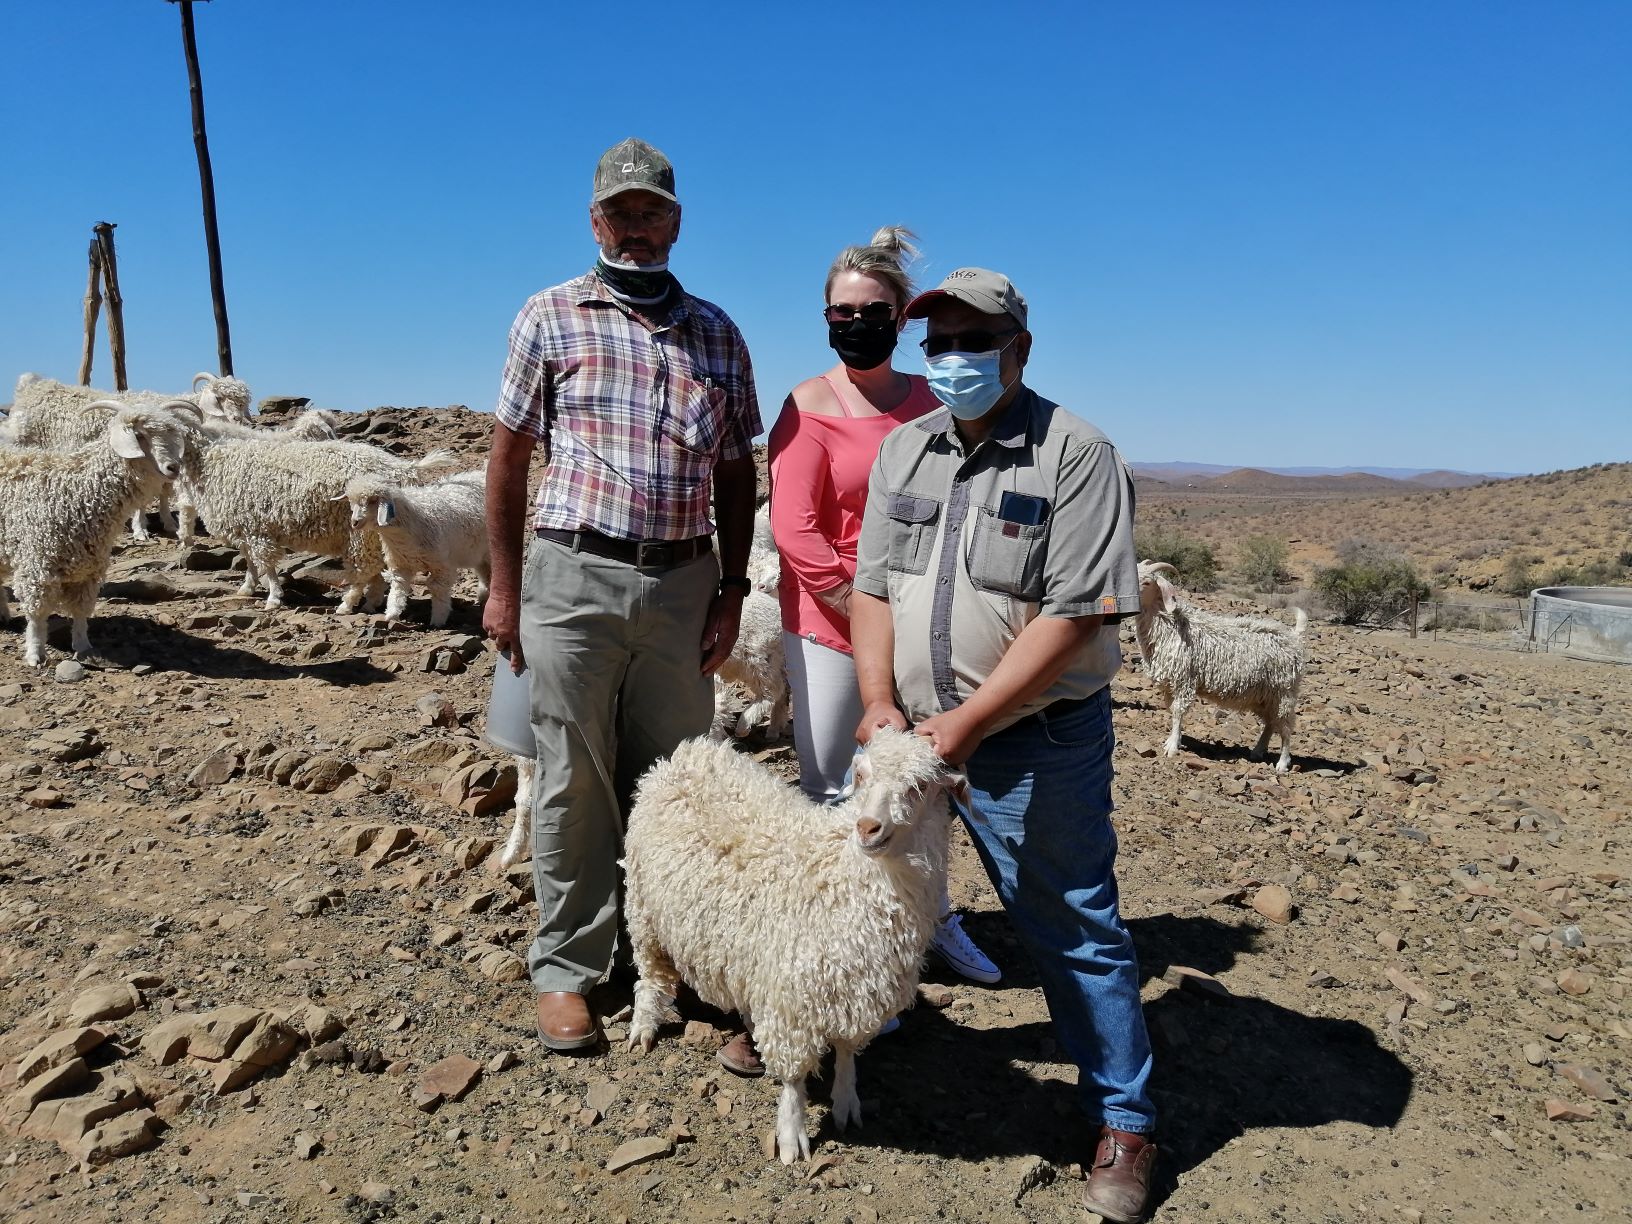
(826, 710)
(826, 701)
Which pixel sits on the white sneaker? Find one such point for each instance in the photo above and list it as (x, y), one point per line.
(959, 952)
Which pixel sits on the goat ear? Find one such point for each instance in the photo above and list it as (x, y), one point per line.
(210, 404)
(386, 514)
(1170, 597)
(124, 437)
(957, 786)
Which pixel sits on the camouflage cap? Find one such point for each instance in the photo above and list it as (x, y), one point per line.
(633, 165)
(988, 292)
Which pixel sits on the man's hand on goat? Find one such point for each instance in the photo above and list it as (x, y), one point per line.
(877, 716)
(954, 734)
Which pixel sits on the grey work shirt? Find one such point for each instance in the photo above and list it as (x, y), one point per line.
(969, 548)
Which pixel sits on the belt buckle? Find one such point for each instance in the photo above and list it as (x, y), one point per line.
(652, 554)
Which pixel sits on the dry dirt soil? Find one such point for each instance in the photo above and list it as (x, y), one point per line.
(250, 937)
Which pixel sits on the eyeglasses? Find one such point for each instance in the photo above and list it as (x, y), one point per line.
(872, 312)
(645, 218)
(964, 342)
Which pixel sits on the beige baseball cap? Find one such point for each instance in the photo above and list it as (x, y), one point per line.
(988, 292)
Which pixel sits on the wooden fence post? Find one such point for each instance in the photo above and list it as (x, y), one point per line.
(116, 303)
(206, 185)
(93, 307)
(1413, 615)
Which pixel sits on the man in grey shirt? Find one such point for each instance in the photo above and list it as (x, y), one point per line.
(996, 555)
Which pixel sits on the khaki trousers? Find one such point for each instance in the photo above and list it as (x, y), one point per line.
(615, 655)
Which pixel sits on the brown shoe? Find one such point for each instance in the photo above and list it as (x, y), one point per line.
(564, 1022)
(739, 1057)
(1119, 1183)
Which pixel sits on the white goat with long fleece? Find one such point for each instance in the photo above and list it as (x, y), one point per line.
(758, 661)
(809, 920)
(1244, 663)
(61, 511)
(50, 413)
(437, 529)
(311, 425)
(270, 498)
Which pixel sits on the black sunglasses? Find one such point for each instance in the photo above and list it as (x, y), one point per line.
(964, 342)
(872, 312)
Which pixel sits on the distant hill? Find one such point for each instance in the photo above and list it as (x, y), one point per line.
(1443, 479)
(1182, 473)
(1259, 482)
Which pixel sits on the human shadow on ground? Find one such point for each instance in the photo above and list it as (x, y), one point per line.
(1223, 1066)
(122, 642)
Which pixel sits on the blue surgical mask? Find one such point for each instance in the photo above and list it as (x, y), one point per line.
(968, 383)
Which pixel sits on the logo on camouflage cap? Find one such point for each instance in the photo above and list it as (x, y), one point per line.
(633, 165)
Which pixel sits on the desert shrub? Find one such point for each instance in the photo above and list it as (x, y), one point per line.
(1517, 576)
(1198, 568)
(1369, 581)
(1261, 562)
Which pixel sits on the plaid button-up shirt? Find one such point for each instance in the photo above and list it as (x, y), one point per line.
(633, 418)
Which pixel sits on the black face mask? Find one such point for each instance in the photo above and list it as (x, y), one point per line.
(862, 345)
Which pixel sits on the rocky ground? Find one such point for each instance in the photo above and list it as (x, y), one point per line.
(256, 965)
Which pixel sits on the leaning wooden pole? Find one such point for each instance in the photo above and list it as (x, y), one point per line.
(93, 307)
(116, 303)
(206, 182)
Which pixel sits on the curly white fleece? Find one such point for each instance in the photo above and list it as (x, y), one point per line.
(773, 906)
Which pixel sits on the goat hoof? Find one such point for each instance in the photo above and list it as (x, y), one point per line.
(643, 1039)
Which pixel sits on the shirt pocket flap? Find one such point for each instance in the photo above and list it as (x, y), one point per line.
(905, 508)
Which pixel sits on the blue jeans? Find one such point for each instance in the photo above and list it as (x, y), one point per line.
(1042, 792)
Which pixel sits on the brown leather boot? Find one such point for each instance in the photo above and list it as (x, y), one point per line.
(564, 1022)
(740, 1057)
(1119, 1182)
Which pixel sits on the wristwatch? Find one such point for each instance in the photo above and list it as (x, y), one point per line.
(733, 582)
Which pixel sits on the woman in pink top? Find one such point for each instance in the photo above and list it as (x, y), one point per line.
(821, 451)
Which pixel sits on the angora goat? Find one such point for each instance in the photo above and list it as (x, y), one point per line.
(435, 528)
(1243, 663)
(758, 662)
(809, 920)
(61, 511)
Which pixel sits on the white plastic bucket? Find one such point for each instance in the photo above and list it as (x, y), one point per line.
(509, 711)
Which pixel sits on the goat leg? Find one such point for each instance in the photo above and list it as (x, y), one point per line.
(846, 1105)
(792, 1143)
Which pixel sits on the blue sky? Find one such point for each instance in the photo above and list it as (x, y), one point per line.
(1269, 233)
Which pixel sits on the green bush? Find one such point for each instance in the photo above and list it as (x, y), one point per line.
(1198, 569)
(1369, 582)
(1262, 562)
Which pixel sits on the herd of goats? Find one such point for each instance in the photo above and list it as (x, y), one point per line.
(861, 879)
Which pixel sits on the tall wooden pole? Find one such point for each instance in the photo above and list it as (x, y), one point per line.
(116, 302)
(206, 182)
(93, 307)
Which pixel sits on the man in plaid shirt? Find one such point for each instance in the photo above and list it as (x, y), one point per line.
(643, 398)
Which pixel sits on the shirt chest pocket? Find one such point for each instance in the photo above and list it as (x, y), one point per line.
(1007, 558)
(913, 525)
(696, 416)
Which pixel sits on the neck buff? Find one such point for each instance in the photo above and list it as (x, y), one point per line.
(863, 346)
(637, 284)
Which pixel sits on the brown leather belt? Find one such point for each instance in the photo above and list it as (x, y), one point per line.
(642, 554)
